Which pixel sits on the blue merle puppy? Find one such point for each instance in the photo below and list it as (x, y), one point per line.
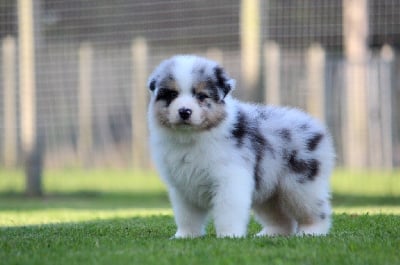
(220, 157)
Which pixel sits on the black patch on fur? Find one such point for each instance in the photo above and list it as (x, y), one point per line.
(322, 216)
(243, 129)
(222, 80)
(246, 128)
(297, 165)
(152, 85)
(309, 169)
(202, 71)
(167, 95)
(313, 166)
(257, 175)
(262, 114)
(219, 75)
(213, 90)
(305, 126)
(313, 142)
(259, 144)
(240, 128)
(285, 134)
(266, 145)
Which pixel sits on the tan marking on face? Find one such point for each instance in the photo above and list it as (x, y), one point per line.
(160, 107)
(213, 114)
(169, 83)
(161, 113)
(201, 87)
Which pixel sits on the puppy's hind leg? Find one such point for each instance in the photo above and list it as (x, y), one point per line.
(318, 223)
(190, 220)
(309, 204)
(274, 220)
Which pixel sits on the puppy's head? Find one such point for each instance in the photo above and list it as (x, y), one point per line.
(188, 93)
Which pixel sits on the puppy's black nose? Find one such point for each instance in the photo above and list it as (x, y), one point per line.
(185, 113)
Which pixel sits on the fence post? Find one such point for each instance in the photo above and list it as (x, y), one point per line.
(140, 154)
(380, 109)
(374, 119)
(387, 57)
(272, 74)
(250, 40)
(10, 112)
(31, 146)
(355, 23)
(316, 81)
(85, 140)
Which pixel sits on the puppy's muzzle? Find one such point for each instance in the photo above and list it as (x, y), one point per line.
(185, 113)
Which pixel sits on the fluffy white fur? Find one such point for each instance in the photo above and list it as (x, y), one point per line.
(229, 157)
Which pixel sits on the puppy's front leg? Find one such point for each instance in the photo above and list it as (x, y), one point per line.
(189, 218)
(231, 205)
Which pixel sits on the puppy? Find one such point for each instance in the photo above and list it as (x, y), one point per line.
(220, 157)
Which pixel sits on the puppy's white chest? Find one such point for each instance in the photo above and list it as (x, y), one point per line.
(190, 173)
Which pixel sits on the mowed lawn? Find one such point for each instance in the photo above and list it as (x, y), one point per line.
(124, 217)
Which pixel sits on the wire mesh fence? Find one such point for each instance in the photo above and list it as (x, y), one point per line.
(87, 79)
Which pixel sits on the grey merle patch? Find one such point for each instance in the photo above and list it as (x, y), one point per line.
(313, 142)
(240, 129)
(152, 85)
(308, 169)
(245, 128)
(285, 134)
(322, 216)
(222, 81)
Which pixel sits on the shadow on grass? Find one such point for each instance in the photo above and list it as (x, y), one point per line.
(340, 199)
(85, 200)
(106, 201)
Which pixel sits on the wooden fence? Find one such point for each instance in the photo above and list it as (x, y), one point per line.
(90, 101)
(313, 95)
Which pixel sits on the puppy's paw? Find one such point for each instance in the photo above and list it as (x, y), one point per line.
(316, 229)
(274, 231)
(182, 235)
(231, 235)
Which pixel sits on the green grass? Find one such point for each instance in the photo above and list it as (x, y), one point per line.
(122, 217)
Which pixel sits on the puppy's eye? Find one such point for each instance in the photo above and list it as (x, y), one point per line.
(201, 96)
(166, 94)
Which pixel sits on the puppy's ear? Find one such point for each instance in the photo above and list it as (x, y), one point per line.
(224, 82)
(151, 84)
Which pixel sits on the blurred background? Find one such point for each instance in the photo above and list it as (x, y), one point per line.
(73, 73)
